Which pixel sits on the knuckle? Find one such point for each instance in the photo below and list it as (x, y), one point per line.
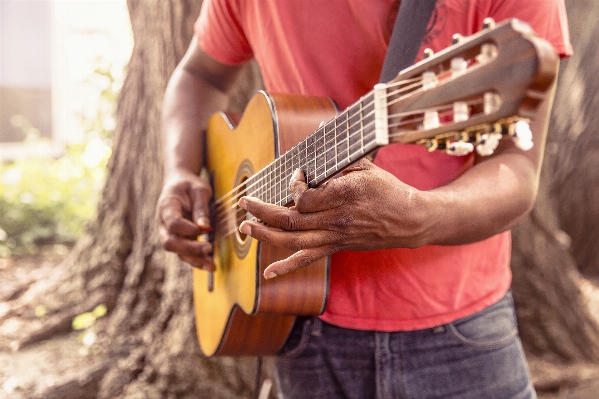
(169, 244)
(298, 243)
(343, 220)
(202, 190)
(171, 225)
(286, 221)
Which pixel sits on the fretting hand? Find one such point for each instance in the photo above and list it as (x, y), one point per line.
(366, 208)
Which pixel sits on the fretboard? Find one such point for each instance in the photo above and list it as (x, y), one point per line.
(327, 151)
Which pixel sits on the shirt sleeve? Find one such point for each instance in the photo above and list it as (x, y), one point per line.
(220, 33)
(547, 18)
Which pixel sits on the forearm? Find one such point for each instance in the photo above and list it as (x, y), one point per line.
(487, 200)
(492, 196)
(197, 89)
(188, 104)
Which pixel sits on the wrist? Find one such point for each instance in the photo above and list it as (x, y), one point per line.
(426, 218)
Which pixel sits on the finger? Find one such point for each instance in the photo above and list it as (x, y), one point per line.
(361, 164)
(297, 185)
(296, 261)
(185, 246)
(172, 218)
(282, 217)
(337, 192)
(200, 195)
(199, 262)
(294, 240)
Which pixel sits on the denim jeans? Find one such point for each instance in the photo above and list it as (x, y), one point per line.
(477, 357)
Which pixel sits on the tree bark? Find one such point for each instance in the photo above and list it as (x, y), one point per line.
(151, 331)
(575, 142)
(150, 342)
(559, 237)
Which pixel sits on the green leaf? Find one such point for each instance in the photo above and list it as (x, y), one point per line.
(100, 311)
(41, 311)
(83, 321)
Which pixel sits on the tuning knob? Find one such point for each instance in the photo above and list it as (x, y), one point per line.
(521, 135)
(488, 143)
(488, 23)
(428, 52)
(459, 148)
(456, 38)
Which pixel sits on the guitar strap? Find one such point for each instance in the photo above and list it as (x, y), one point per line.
(409, 30)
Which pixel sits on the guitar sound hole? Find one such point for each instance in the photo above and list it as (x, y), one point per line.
(241, 242)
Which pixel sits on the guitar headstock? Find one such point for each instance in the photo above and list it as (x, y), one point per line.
(481, 88)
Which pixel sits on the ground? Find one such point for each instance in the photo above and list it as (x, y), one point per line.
(68, 366)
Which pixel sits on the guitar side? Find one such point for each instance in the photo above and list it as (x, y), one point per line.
(237, 311)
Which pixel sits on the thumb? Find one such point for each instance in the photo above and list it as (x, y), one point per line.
(362, 164)
(200, 201)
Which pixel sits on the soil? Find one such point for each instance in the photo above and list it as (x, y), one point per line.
(69, 365)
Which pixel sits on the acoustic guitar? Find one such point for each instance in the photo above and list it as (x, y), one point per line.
(459, 100)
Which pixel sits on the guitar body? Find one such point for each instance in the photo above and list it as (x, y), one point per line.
(237, 311)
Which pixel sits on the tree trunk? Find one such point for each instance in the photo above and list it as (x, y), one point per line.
(575, 142)
(150, 333)
(153, 351)
(559, 238)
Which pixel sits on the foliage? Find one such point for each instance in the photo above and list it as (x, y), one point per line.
(87, 319)
(48, 201)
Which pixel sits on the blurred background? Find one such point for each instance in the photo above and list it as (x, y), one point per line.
(91, 306)
(62, 65)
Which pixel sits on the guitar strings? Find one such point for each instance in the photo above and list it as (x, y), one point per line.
(414, 82)
(222, 207)
(233, 222)
(224, 210)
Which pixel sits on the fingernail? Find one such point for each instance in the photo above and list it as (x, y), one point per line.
(294, 176)
(242, 203)
(204, 223)
(245, 228)
(269, 275)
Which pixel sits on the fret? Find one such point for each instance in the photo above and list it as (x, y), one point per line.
(354, 133)
(361, 122)
(320, 167)
(347, 135)
(277, 181)
(310, 160)
(270, 185)
(251, 189)
(288, 171)
(302, 155)
(331, 148)
(342, 135)
(257, 183)
(368, 117)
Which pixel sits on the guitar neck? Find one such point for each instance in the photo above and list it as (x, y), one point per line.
(451, 101)
(352, 134)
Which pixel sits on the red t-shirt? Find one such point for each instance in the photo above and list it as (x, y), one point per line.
(336, 48)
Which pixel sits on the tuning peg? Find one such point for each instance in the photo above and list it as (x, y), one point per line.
(521, 135)
(488, 23)
(461, 111)
(459, 148)
(488, 143)
(456, 38)
(428, 52)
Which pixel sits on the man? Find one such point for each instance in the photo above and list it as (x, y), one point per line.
(419, 303)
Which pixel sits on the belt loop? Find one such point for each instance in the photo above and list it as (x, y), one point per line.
(316, 326)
